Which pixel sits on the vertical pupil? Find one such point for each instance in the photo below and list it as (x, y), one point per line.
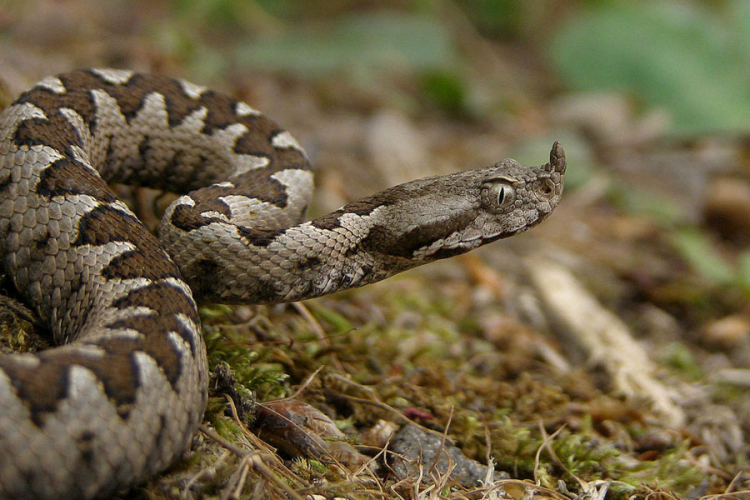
(501, 196)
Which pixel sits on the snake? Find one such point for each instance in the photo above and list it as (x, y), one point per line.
(120, 395)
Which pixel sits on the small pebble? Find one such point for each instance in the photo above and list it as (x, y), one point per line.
(728, 331)
(727, 208)
(379, 435)
(414, 447)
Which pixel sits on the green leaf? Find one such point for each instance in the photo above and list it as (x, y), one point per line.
(743, 271)
(739, 14)
(361, 43)
(678, 356)
(447, 91)
(636, 200)
(671, 55)
(336, 320)
(696, 248)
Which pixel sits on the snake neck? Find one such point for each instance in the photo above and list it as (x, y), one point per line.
(367, 240)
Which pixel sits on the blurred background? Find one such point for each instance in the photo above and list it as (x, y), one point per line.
(651, 101)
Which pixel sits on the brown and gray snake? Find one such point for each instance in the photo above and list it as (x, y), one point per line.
(121, 396)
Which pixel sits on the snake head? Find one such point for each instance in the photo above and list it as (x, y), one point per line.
(515, 198)
(439, 217)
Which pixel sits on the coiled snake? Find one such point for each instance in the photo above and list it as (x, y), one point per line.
(121, 396)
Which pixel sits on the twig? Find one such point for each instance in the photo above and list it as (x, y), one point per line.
(319, 332)
(254, 459)
(545, 444)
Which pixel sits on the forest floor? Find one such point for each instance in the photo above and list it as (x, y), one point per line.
(605, 352)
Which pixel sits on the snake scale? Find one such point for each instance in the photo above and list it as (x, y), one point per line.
(121, 396)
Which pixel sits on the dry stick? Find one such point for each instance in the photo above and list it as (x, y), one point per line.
(417, 471)
(490, 476)
(384, 406)
(736, 478)
(320, 449)
(708, 469)
(437, 477)
(404, 480)
(433, 466)
(260, 444)
(255, 459)
(604, 337)
(304, 385)
(235, 484)
(319, 332)
(545, 444)
(377, 403)
(286, 472)
(530, 489)
(204, 471)
(588, 488)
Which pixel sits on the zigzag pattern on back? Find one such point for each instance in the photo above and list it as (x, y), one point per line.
(121, 397)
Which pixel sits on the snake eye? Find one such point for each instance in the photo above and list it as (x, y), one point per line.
(498, 196)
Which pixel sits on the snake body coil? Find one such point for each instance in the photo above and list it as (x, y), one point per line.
(121, 396)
